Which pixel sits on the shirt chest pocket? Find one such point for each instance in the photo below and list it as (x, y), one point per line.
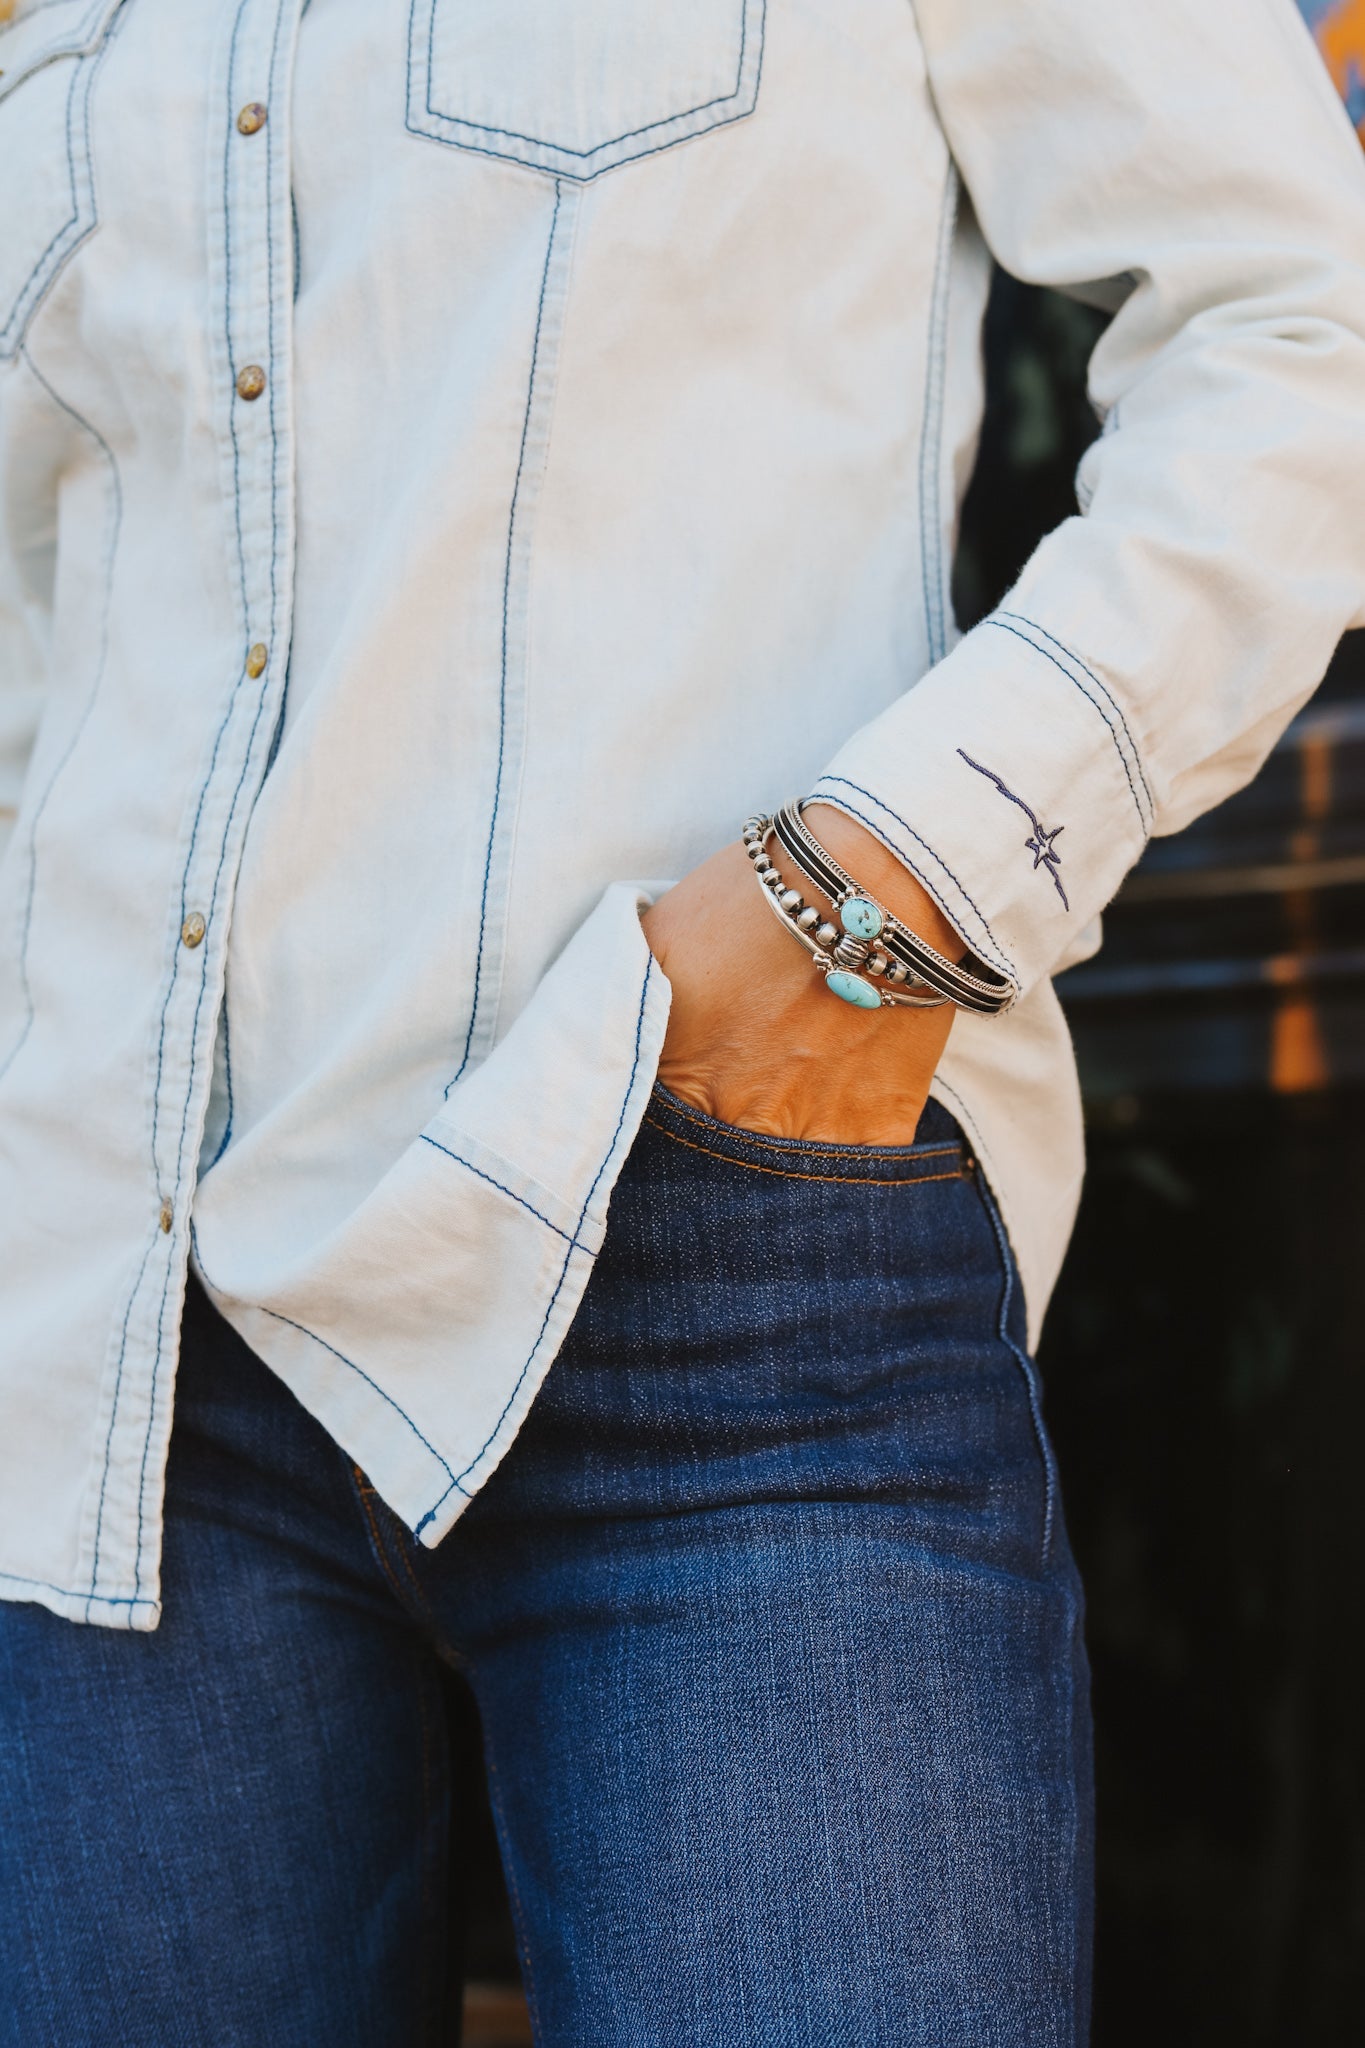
(576, 87)
(49, 54)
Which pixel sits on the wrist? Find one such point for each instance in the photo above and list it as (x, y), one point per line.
(875, 868)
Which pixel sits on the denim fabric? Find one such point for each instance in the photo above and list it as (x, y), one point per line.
(770, 1618)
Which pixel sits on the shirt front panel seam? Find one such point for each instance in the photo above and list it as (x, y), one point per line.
(275, 141)
(82, 178)
(514, 652)
(74, 44)
(175, 1264)
(101, 669)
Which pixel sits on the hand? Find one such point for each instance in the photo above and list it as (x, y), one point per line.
(754, 1036)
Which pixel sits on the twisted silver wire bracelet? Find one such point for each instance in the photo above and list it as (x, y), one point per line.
(835, 954)
(872, 942)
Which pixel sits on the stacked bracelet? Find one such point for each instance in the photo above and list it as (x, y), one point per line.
(836, 954)
(868, 940)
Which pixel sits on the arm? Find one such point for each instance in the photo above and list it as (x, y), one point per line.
(755, 1038)
(1192, 168)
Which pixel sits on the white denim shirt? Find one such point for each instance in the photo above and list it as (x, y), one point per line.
(436, 507)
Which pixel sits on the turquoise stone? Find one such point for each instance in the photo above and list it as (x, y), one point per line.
(860, 919)
(851, 988)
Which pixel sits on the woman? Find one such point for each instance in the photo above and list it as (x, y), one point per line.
(459, 462)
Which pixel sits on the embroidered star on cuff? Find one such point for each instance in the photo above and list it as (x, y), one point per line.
(1042, 845)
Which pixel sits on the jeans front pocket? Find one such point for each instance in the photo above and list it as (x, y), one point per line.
(576, 87)
(48, 57)
(938, 1152)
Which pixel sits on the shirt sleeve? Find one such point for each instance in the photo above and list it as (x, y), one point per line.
(1192, 166)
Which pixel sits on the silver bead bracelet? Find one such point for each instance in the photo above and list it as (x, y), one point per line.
(836, 954)
(869, 941)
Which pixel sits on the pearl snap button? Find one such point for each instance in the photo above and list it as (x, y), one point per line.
(256, 659)
(251, 118)
(250, 381)
(192, 930)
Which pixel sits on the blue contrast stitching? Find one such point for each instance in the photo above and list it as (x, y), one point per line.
(357, 1369)
(506, 599)
(611, 142)
(1002, 625)
(1041, 846)
(1002, 957)
(19, 312)
(226, 718)
(931, 439)
(1022, 619)
(1024, 1363)
(499, 1185)
(599, 148)
(369, 1383)
(67, 1593)
(630, 135)
(207, 784)
(111, 551)
(71, 46)
(7, 29)
(574, 1245)
(109, 1437)
(218, 737)
(25, 306)
(271, 163)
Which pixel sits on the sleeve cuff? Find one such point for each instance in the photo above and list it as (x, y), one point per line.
(1010, 783)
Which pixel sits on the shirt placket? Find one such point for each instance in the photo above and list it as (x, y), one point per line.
(250, 361)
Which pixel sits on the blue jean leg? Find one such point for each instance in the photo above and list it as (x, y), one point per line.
(231, 1832)
(772, 1625)
(779, 1564)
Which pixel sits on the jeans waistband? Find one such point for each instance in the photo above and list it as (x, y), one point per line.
(939, 1151)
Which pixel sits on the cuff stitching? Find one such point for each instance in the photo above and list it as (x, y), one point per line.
(1001, 620)
(1000, 958)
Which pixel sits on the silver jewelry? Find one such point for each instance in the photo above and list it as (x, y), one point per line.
(865, 920)
(836, 954)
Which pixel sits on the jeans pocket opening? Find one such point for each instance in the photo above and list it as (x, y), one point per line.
(939, 1151)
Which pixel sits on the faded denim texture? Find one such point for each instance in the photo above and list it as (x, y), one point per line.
(771, 1620)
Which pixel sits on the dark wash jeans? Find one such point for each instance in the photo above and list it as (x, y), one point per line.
(770, 1618)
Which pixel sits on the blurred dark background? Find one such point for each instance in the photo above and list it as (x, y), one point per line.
(1204, 1355)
